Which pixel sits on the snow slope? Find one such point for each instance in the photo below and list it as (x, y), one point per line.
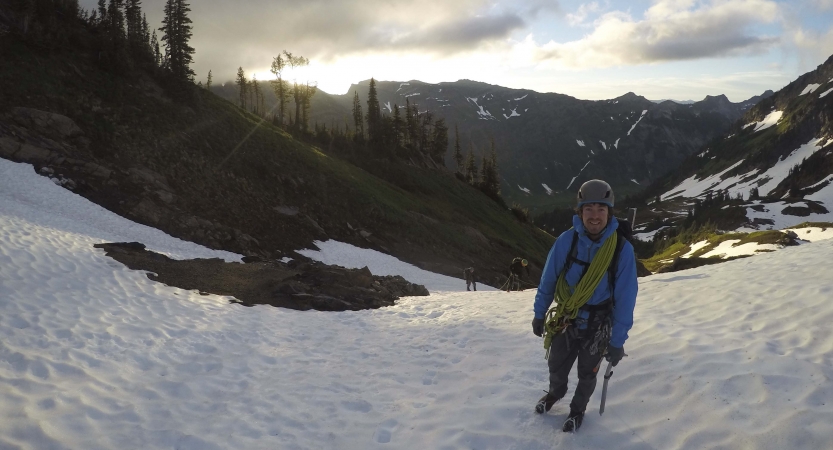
(765, 181)
(96, 356)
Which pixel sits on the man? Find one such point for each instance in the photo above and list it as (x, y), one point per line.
(515, 273)
(594, 315)
(468, 274)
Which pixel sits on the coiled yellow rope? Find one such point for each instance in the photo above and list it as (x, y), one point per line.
(568, 303)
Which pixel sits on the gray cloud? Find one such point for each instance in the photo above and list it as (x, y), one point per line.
(456, 35)
(670, 31)
(249, 33)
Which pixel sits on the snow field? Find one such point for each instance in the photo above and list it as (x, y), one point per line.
(96, 356)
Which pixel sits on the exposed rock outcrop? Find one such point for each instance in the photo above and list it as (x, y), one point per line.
(299, 284)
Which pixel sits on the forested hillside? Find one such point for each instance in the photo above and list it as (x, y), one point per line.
(125, 126)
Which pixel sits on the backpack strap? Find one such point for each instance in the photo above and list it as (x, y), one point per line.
(572, 257)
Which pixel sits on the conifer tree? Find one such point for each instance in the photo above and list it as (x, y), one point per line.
(102, 12)
(242, 86)
(374, 116)
(484, 170)
(309, 91)
(491, 177)
(154, 46)
(458, 152)
(133, 16)
(425, 132)
(208, 81)
(114, 55)
(409, 118)
(398, 126)
(414, 128)
(471, 166)
(279, 86)
(145, 31)
(439, 141)
(254, 94)
(294, 62)
(176, 28)
(358, 118)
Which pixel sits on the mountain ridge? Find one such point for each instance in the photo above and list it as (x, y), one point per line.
(551, 138)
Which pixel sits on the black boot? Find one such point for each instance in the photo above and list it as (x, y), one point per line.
(573, 422)
(545, 404)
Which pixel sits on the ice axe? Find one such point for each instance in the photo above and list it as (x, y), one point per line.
(608, 374)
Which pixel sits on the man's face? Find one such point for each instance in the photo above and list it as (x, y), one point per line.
(594, 216)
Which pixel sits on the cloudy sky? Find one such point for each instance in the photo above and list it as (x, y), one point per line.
(680, 49)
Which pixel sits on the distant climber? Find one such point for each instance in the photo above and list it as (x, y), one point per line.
(468, 274)
(516, 273)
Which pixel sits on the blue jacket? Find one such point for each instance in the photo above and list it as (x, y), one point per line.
(625, 285)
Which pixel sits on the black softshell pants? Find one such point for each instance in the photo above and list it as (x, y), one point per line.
(564, 350)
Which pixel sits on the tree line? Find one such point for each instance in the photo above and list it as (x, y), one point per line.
(122, 40)
(417, 137)
(250, 94)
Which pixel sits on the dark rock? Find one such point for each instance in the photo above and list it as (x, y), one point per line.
(800, 211)
(252, 259)
(302, 285)
(32, 154)
(46, 123)
(148, 212)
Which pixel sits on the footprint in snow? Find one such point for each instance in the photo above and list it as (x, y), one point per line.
(384, 432)
(357, 406)
(429, 377)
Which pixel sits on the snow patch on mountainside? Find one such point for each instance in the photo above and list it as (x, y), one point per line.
(727, 249)
(387, 105)
(692, 187)
(579, 173)
(824, 94)
(813, 234)
(524, 189)
(547, 188)
(826, 180)
(616, 144)
(637, 121)
(772, 213)
(514, 113)
(741, 184)
(810, 89)
(580, 143)
(770, 120)
(484, 114)
(781, 169)
(402, 84)
(694, 247)
(521, 98)
(604, 146)
(648, 236)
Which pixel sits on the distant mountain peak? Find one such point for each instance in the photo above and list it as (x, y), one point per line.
(630, 96)
(719, 97)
